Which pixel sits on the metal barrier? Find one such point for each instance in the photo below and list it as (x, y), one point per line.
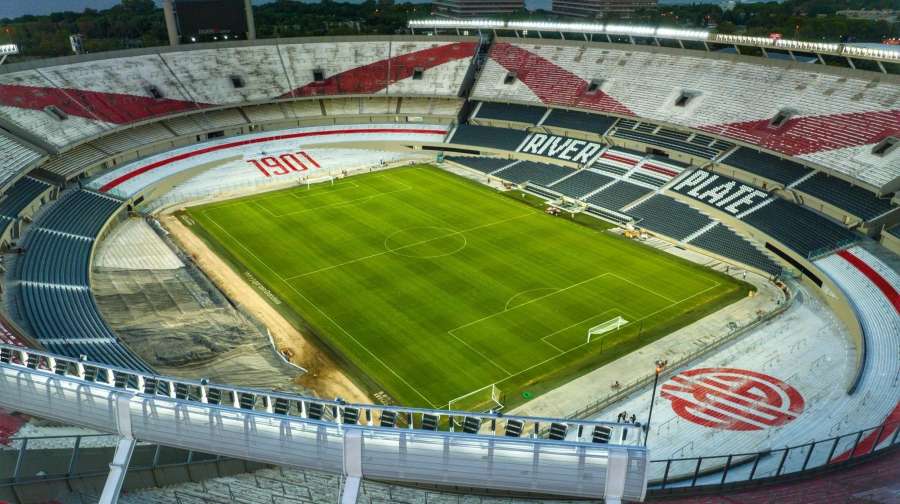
(490, 451)
(721, 470)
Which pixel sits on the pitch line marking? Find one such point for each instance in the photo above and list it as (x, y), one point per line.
(643, 288)
(483, 356)
(326, 315)
(539, 298)
(415, 244)
(554, 333)
(435, 256)
(514, 296)
(716, 284)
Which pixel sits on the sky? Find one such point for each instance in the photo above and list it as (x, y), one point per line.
(16, 8)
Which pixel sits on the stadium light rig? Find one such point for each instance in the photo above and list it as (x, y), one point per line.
(539, 26)
(681, 34)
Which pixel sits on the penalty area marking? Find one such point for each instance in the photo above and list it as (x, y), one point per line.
(538, 289)
(634, 320)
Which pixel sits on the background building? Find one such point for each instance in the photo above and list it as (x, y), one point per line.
(600, 8)
(472, 8)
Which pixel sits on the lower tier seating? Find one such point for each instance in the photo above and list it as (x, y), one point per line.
(54, 281)
(800, 229)
(17, 198)
(482, 164)
(486, 136)
(723, 241)
(528, 114)
(581, 121)
(846, 196)
(669, 217)
(766, 165)
(581, 184)
(536, 173)
(618, 195)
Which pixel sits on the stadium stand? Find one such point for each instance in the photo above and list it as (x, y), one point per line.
(283, 484)
(700, 146)
(800, 229)
(581, 121)
(54, 275)
(529, 171)
(723, 241)
(482, 164)
(19, 197)
(509, 112)
(69, 102)
(72, 163)
(15, 159)
(853, 199)
(871, 287)
(618, 195)
(581, 184)
(832, 132)
(486, 136)
(780, 170)
(669, 217)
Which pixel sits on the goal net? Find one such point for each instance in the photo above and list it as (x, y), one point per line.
(481, 400)
(605, 327)
(318, 180)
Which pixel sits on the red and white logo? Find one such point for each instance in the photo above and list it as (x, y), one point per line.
(283, 164)
(732, 399)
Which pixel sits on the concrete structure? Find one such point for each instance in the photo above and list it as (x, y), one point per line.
(474, 8)
(601, 9)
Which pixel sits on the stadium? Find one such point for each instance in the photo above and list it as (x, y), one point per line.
(479, 262)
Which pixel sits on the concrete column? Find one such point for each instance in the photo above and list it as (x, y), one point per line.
(171, 27)
(251, 24)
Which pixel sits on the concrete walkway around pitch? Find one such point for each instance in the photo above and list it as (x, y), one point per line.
(596, 386)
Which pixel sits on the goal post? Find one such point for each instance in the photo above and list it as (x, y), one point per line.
(486, 398)
(608, 326)
(324, 178)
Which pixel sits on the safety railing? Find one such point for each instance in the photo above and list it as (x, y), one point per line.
(334, 411)
(680, 473)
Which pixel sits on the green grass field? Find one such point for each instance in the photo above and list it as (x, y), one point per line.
(428, 286)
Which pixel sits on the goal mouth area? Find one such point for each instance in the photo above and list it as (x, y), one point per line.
(610, 325)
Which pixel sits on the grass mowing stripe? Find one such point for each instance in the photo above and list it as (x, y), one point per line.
(386, 280)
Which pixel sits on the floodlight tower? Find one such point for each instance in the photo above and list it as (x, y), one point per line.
(7, 50)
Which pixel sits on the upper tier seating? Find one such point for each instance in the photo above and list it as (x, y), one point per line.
(510, 112)
(581, 184)
(486, 136)
(581, 121)
(723, 241)
(15, 157)
(482, 164)
(832, 119)
(798, 228)
(618, 195)
(54, 279)
(536, 173)
(843, 195)
(774, 168)
(93, 97)
(667, 216)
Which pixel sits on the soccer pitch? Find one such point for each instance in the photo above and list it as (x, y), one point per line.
(428, 286)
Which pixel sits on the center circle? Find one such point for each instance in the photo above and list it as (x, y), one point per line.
(425, 242)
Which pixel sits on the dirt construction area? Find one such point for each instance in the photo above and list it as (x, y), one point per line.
(324, 376)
